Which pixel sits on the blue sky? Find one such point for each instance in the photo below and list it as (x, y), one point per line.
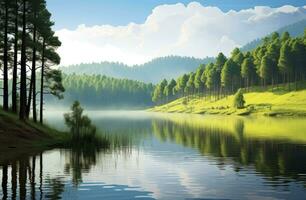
(71, 13)
(191, 28)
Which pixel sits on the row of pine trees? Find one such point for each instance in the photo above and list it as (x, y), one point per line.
(27, 52)
(102, 91)
(279, 60)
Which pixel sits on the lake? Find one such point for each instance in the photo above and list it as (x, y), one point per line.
(168, 156)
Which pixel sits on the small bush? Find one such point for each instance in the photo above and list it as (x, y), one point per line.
(79, 124)
(239, 100)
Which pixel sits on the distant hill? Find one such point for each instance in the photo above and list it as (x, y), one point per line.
(99, 91)
(296, 29)
(153, 71)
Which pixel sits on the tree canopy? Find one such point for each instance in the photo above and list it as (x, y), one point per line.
(28, 49)
(277, 60)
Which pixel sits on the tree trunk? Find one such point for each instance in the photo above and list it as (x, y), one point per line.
(41, 176)
(28, 107)
(22, 179)
(34, 97)
(33, 76)
(232, 85)
(42, 84)
(14, 84)
(33, 178)
(289, 81)
(272, 82)
(295, 80)
(5, 60)
(4, 181)
(14, 180)
(23, 74)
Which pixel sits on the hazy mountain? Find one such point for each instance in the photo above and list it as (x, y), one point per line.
(296, 29)
(153, 71)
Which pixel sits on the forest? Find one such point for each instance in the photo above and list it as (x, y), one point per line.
(281, 59)
(295, 30)
(28, 50)
(150, 72)
(99, 91)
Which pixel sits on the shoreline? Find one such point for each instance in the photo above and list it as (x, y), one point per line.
(241, 113)
(26, 136)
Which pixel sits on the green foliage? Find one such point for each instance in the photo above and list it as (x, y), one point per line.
(150, 72)
(169, 89)
(211, 77)
(278, 60)
(239, 100)
(54, 83)
(198, 84)
(79, 124)
(159, 92)
(265, 69)
(181, 83)
(220, 61)
(247, 68)
(285, 60)
(101, 91)
(28, 46)
(238, 59)
(299, 58)
(190, 84)
(285, 37)
(230, 75)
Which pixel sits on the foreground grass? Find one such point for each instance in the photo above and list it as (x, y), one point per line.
(18, 136)
(15, 133)
(276, 103)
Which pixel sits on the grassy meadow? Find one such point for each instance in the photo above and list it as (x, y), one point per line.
(271, 102)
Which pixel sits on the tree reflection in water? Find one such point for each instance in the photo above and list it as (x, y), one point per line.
(279, 161)
(28, 176)
(80, 160)
(276, 159)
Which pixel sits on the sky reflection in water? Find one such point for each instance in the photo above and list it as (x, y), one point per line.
(156, 156)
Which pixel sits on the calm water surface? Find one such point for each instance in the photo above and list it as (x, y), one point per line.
(168, 156)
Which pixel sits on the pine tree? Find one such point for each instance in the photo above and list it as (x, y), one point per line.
(23, 63)
(266, 69)
(5, 4)
(299, 60)
(197, 80)
(189, 89)
(230, 75)
(169, 90)
(285, 62)
(181, 84)
(248, 71)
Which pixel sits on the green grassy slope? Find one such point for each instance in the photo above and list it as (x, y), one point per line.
(266, 103)
(18, 135)
(18, 138)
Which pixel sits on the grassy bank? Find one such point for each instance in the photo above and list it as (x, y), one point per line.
(269, 103)
(17, 136)
(24, 137)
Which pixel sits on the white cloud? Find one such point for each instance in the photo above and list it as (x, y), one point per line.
(192, 30)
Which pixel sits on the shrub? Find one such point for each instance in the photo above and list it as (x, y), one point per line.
(79, 124)
(239, 100)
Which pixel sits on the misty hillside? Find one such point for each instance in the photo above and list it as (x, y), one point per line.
(296, 29)
(153, 71)
(98, 91)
